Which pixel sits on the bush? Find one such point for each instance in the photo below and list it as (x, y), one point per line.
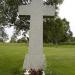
(67, 43)
(1, 39)
(22, 41)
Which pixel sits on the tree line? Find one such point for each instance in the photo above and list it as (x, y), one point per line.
(56, 30)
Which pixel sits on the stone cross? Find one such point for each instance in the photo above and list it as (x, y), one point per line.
(35, 57)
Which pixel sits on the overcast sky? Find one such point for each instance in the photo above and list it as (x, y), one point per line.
(67, 10)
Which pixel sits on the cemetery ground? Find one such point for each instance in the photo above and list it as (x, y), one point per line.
(60, 59)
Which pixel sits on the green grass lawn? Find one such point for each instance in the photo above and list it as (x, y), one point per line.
(60, 60)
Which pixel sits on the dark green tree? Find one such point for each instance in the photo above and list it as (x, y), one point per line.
(9, 9)
(9, 13)
(56, 30)
(3, 35)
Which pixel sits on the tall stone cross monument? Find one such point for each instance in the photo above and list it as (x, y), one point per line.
(35, 57)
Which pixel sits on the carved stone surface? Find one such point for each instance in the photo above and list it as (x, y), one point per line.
(35, 57)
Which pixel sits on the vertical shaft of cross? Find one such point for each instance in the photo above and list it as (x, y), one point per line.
(35, 57)
(36, 35)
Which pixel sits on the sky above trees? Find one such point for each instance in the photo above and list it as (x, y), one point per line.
(67, 10)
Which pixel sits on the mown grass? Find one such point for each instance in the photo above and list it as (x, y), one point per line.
(60, 60)
(11, 58)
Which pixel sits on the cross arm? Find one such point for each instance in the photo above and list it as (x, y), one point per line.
(24, 9)
(48, 10)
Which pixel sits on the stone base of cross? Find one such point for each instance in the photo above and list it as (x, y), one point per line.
(35, 60)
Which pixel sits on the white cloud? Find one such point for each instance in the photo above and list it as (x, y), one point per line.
(67, 10)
